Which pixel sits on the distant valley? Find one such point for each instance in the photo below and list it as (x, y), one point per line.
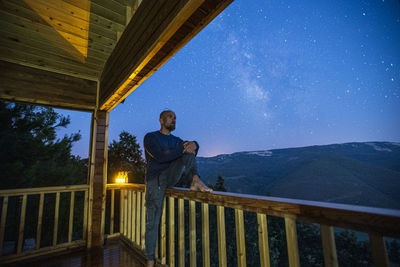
(365, 174)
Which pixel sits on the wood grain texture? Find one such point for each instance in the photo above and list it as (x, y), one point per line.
(166, 31)
(364, 219)
(329, 246)
(21, 83)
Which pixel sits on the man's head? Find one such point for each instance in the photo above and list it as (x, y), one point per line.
(168, 120)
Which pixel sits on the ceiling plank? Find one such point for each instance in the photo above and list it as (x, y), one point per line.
(25, 84)
(133, 62)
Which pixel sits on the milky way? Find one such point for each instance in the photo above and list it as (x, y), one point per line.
(275, 74)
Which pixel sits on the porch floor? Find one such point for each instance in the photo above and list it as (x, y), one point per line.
(113, 253)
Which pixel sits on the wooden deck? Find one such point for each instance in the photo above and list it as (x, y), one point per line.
(114, 253)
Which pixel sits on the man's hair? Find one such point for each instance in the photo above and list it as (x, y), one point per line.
(162, 114)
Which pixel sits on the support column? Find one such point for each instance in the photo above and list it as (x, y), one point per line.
(97, 178)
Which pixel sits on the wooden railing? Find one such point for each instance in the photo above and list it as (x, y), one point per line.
(38, 200)
(378, 223)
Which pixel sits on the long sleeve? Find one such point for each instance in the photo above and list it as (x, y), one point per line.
(162, 153)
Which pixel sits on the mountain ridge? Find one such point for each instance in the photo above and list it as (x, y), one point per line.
(360, 173)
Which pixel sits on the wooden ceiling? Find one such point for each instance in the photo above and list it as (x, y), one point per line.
(79, 39)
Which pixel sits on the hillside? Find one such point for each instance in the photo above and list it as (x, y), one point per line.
(365, 174)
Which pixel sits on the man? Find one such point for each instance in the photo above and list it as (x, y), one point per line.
(170, 162)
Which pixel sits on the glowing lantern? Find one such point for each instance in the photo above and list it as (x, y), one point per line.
(122, 177)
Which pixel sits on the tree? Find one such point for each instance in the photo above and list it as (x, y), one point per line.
(31, 155)
(125, 155)
(219, 184)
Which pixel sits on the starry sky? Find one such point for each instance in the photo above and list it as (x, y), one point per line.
(274, 74)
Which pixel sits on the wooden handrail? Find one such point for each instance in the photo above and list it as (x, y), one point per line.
(365, 219)
(46, 190)
(376, 222)
(22, 195)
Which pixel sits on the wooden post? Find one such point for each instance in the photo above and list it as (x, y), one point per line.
(121, 203)
(112, 212)
(130, 212)
(329, 246)
(291, 239)
(98, 178)
(171, 231)
(21, 225)
(192, 232)
(221, 236)
(181, 233)
(378, 249)
(85, 215)
(205, 221)
(39, 223)
(263, 240)
(56, 211)
(139, 198)
(163, 252)
(132, 221)
(71, 216)
(240, 238)
(143, 223)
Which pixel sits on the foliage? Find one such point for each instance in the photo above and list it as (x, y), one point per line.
(31, 156)
(125, 155)
(219, 185)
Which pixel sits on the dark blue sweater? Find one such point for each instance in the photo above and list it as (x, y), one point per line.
(160, 150)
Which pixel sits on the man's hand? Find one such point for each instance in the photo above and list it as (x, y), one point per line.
(189, 147)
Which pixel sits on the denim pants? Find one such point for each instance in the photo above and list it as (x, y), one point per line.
(179, 173)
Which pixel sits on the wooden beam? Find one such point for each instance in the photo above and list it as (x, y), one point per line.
(25, 84)
(155, 33)
(98, 179)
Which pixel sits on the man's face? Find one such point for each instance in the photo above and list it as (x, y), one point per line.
(168, 121)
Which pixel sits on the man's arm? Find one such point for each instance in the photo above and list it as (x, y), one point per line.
(156, 151)
(191, 147)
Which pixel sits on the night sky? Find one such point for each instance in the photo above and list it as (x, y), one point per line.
(274, 74)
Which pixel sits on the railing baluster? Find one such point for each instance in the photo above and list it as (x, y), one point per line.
(329, 246)
(3, 222)
(171, 231)
(129, 213)
(112, 212)
(192, 232)
(71, 216)
(39, 222)
(263, 240)
(143, 223)
(221, 236)
(126, 213)
(205, 229)
(181, 233)
(291, 239)
(21, 224)
(121, 221)
(138, 201)
(85, 214)
(55, 227)
(163, 252)
(240, 238)
(132, 222)
(378, 248)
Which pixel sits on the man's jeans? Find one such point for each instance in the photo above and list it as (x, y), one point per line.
(179, 173)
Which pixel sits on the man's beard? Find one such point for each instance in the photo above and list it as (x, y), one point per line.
(170, 127)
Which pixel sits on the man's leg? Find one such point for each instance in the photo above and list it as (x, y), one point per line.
(155, 192)
(183, 172)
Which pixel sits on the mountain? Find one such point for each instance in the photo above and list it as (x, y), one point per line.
(365, 174)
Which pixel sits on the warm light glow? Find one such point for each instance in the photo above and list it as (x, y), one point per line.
(122, 177)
